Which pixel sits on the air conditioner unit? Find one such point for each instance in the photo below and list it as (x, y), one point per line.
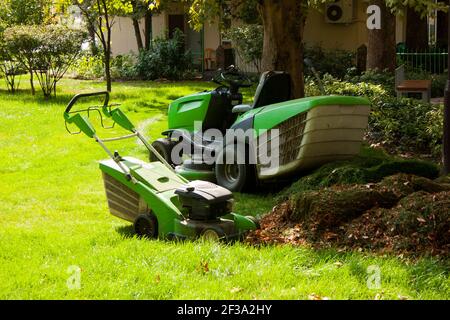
(339, 11)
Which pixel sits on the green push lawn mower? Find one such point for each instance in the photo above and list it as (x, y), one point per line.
(158, 201)
(311, 131)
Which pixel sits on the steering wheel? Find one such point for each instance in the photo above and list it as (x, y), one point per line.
(234, 78)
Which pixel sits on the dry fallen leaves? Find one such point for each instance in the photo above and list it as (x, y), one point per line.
(314, 296)
(204, 267)
(383, 228)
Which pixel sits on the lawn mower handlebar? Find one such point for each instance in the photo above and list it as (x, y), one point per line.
(86, 95)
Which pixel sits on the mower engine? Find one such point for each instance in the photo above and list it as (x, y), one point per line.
(205, 201)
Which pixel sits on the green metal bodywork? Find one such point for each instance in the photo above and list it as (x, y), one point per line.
(270, 116)
(185, 111)
(156, 184)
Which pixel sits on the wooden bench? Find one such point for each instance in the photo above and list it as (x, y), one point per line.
(403, 86)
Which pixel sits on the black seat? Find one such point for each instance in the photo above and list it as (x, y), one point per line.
(273, 87)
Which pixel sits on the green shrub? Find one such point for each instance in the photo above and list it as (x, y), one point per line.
(385, 79)
(336, 86)
(334, 62)
(88, 67)
(123, 67)
(438, 81)
(407, 123)
(10, 68)
(166, 58)
(434, 128)
(46, 51)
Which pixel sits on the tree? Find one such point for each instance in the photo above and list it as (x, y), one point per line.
(9, 67)
(25, 12)
(22, 46)
(45, 51)
(416, 30)
(283, 23)
(141, 10)
(381, 47)
(446, 145)
(100, 15)
(59, 47)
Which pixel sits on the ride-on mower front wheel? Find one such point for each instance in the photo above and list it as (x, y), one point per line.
(231, 174)
(146, 225)
(164, 147)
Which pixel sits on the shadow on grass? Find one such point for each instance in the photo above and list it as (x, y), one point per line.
(126, 232)
(25, 96)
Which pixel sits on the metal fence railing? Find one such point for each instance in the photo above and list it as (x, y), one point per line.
(433, 60)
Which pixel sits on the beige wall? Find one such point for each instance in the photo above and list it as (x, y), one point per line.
(211, 35)
(123, 37)
(400, 28)
(345, 36)
(124, 40)
(335, 35)
(317, 31)
(159, 25)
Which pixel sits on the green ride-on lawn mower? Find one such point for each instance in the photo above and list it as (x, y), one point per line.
(158, 201)
(310, 131)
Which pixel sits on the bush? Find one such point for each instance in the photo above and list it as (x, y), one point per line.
(88, 67)
(47, 51)
(334, 62)
(123, 67)
(336, 86)
(166, 58)
(438, 81)
(385, 79)
(10, 68)
(407, 124)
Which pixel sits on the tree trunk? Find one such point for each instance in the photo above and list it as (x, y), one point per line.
(381, 49)
(33, 90)
(283, 23)
(92, 44)
(446, 134)
(107, 53)
(416, 31)
(137, 33)
(148, 29)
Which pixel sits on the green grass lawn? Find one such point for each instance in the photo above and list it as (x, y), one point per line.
(53, 215)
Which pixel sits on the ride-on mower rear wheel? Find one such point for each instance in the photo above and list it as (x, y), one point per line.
(164, 147)
(233, 176)
(146, 225)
